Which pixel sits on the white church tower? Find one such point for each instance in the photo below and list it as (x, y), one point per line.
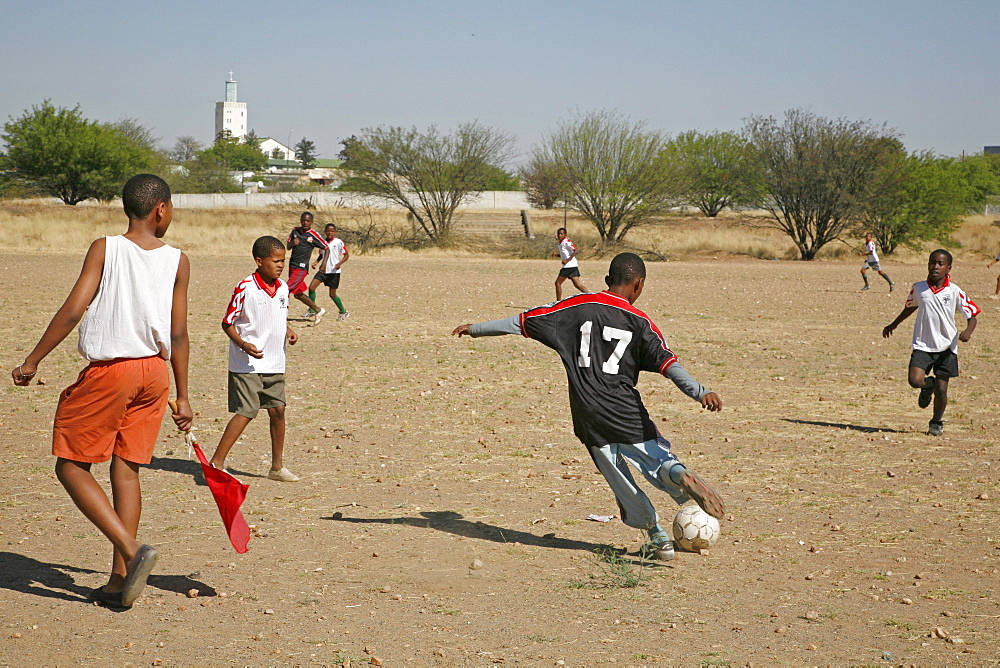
(231, 115)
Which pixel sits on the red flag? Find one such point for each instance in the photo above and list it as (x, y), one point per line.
(229, 494)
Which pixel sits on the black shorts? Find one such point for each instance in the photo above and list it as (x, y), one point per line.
(331, 281)
(572, 272)
(944, 363)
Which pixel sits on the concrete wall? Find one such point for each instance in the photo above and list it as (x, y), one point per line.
(333, 200)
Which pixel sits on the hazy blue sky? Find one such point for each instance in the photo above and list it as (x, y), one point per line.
(324, 70)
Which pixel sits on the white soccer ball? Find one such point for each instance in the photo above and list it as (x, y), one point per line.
(694, 529)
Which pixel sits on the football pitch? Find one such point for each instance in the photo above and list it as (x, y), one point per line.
(442, 513)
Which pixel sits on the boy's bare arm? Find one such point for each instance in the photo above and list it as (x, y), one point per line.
(969, 329)
(234, 336)
(344, 258)
(903, 315)
(68, 315)
(291, 336)
(180, 346)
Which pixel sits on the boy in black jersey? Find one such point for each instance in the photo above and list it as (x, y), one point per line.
(604, 343)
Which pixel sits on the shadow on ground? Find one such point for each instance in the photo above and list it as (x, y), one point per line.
(852, 427)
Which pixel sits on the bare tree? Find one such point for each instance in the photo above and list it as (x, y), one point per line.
(427, 173)
(542, 183)
(613, 170)
(186, 148)
(817, 176)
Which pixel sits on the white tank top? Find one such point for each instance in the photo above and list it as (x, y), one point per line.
(130, 314)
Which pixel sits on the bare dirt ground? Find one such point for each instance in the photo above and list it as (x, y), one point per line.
(464, 496)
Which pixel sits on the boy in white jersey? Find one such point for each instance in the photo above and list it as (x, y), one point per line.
(256, 323)
(570, 267)
(132, 298)
(871, 262)
(935, 337)
(331, 259)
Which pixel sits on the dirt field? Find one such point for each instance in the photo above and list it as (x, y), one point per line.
(463, 537)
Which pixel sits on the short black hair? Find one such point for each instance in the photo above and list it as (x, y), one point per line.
(561, 229)
(625, 268)
(333, 225)
(142, 193)
(265, 246)
(306, 213)
(941, 251)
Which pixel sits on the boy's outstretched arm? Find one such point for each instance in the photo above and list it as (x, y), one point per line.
(180, 345)
(511, 325)
(68, 315)
(689, 386)
(903, 315)
(970, 327)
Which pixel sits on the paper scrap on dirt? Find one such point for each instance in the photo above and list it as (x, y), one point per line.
(600, 518)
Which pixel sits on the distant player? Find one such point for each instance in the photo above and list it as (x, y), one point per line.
(301, 241)
(330, 260)
(256, 323)
(604, 342)
(871, 262)
(995, 295)
(131, 303)
(935, 336)
(570, 267)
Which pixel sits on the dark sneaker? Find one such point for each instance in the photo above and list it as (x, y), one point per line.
(111, 599)
(702, 494)
(935, 428)
(926, 394)
(867, 287)
(891, 286)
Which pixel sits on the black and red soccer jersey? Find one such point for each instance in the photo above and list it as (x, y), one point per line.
(308, 240)
(604, 343)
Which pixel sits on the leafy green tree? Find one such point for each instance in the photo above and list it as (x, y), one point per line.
(925, 198)
(70, 157)
(816, 176)
(542, 183)
(613, 169)
(498, 179)
(202, 175)
(711, 169)
(427, 173)
(305, 153)
(231, 153)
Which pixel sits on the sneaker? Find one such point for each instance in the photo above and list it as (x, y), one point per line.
(319, 316)
(702, 494)
(891, 286)
(926, 394)
(658, 551)
(308, 313)
(284, 475)
(343, 316)
(935, 428)
(867, 287)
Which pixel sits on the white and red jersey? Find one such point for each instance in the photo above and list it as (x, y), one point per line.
(566, 250)
(260, 314)
(336, 248)
(872, 254)
(935, 328)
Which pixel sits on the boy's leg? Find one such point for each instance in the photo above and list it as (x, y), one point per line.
(276, 415)
(636, 508)
(998, 286)
(664, 471)
(940, 398)
(864, 275)
(337, 300)
(578, 284)
(304, 298)
(233, 430)
(559, 281)
(887, 280)
(126, 495)
(918, 379)
(90, 498)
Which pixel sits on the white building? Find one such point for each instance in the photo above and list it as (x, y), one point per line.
(231, 116)
(275, 150)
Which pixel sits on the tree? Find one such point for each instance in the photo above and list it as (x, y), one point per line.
(231, 153)
(202, 175)
(70, 157)
(305, 152)
(925, 199)
(542, 183)
(613, 170)
(137, 132)
(185, 148)
(427, 173)
(498, 179)
(816, 176)
(711, 168)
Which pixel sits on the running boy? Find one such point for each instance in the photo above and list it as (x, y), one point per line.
(570, 267)
(935, 336)
(132, 298)
(301, 241)
(256, 323)
(332, 259)
(604, 343)
(871, 262)
(996, 294)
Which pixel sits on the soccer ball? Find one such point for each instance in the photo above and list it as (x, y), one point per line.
(694, 529)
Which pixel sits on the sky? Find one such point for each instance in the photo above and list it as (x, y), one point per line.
(325, 70)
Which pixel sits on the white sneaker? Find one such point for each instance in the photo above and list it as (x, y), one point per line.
(308, 313)
(343, 316)
(319, 316)
(284, 475)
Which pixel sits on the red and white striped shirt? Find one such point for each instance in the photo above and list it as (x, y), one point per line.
(260, 314)
(934, 329)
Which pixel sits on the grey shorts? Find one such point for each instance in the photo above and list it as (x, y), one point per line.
(872, 265)
(249, 392)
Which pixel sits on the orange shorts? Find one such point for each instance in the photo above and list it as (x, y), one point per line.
(114, 407)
